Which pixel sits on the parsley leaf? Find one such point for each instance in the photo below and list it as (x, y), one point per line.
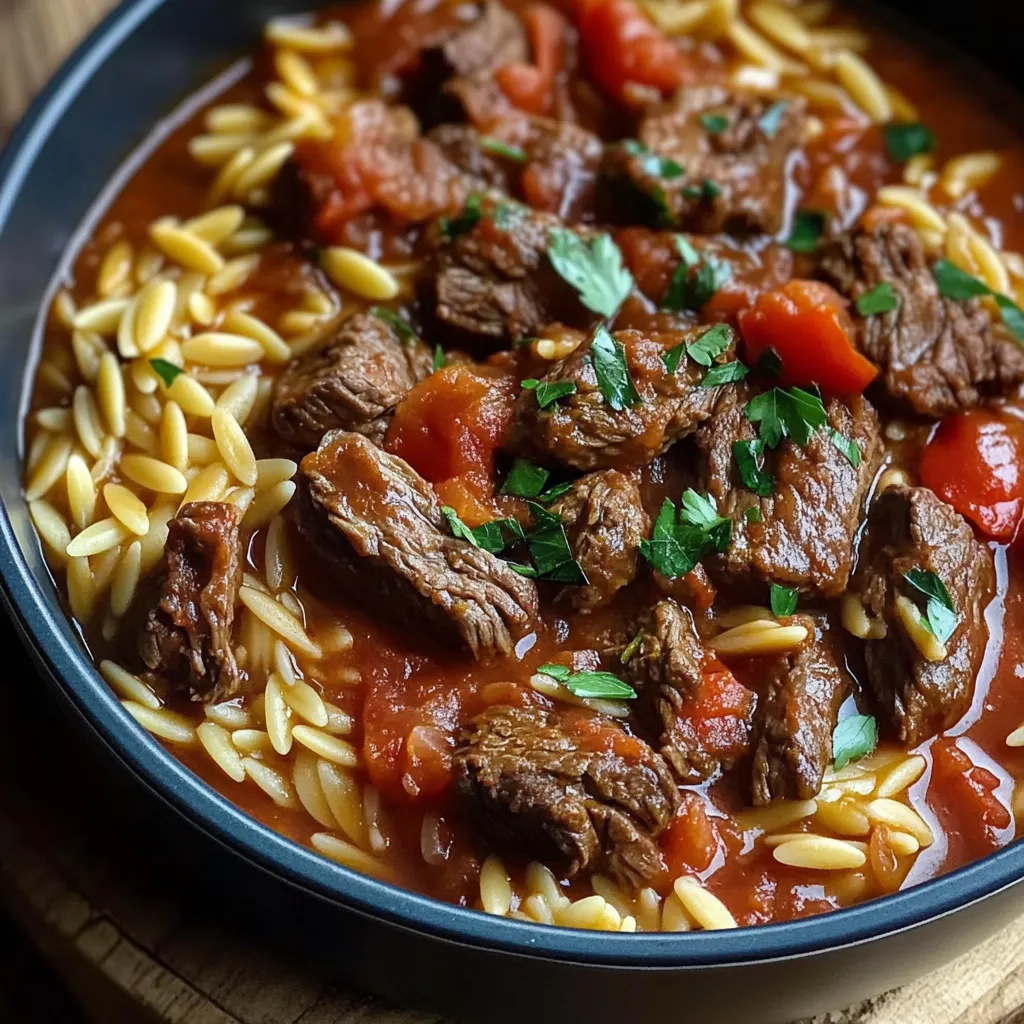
(552, 494)
(166, 371)
(783, 600)
(589, 684)
(613, 377)
(808, 227)
(457, 526)
(395, 321)
(440, 359)
(550, 551)
(714, 124)
(508, 213)
(525, 479)
(957, 284)
(632, 647)
(749, 456)
(724, 373)
(940, 617)
(452, 227)
(906, 140)
(707, 189)
(682, 537)
(549, 392)
(691, 290)
(847, 447)
(795, 413)
(652, 164)
(770, 363)
(880, 299)
(854, 737)
(771, 120)
(596, 272)
(496, 535)
(498, 148)
(754, 514)
(705, 350)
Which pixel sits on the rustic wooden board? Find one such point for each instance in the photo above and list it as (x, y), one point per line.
(121, 938)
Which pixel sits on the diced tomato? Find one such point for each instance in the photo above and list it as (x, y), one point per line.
(529, 86)
(808, 325)
(451, 424)
(968, 793)
(975, 461)
(690, 842)
(622, 48)
(597, 733)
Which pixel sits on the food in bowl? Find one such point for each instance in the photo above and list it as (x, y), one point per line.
(564, 459)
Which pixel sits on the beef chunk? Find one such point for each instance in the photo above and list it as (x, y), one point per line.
(804, 536)
(745, 162)
(557, 169)
(795, 719)
(494, 283)
(572, 791)
(353, 383)
(185, 637)
(379, 526)
(492, 37)
(910, 528)
(701, 713)
(605, 521)
(936, 356)
(583, 431)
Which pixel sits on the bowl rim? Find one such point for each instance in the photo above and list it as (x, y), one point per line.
(70, 669)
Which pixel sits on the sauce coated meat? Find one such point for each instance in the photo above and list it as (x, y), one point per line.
(560, 464)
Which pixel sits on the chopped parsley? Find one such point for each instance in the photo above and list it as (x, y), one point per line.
(683, 536)
(652, 164)
(439, 358)
(854, 737)
(458, 527)
(771, 120)
(452, 227)
(849, 448)
(166, 371)
(550, 551)
(770, 363)
(749, 456)
(754, 514)
(695, 280)
(880, 299)
(783, 413)
(783, 600)
(589, 684)
(714, 124)
(525, 479)
(496, 535)
(632, 647)
(595, 271)
(808, 227)
(396, 322)
(549, 392)
(705, 350)
(906, 140)
(498, 148)
(508, 213)
(955, 283)
(706, 190)
(724, 373)
(612, 370)
(940, 617)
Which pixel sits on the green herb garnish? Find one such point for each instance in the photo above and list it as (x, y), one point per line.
(771, 120)
(783, 600)
(683, 536)
(854, 737)
(596, 272)
(705, 350)
(549, 392)
(650, 163)
(940, 617)
(808, 227)
(589, 684)
(695, 280)
(395, 321)
(166, 371)
(550, 551)
(707, 189)
(780, 413)
(498, 148)
(880, 299)
(849, 448)
(612, 370)
(770, 363)
(632, 647)
(957, 284)
(906, 140)
(452, 227)
(525, 479)
(724, 373)
(754, 514)
(439, 358)
(714, 124)
(749, 456)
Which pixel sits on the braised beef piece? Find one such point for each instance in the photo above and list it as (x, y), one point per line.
(185, 637)
(377, 524)
(708, 161)
(936, 356)
(701, 714)
(489, 38)
(551, 165)
(910, 528)
(796, 716)
(605, 521)
(583, 431)
(804, 533)
(492, 281)
(391, 173)
(570, 790)
(353, 383)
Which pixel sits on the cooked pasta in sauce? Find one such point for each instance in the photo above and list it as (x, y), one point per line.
(565, 458)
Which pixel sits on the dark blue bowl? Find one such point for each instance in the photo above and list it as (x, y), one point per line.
(128, 75)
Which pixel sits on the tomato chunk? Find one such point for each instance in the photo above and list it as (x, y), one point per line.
(691, 840)
(975, 462)
(623, 49)
(808, 325)
(967, 793)
(530, 86)
(451, 424)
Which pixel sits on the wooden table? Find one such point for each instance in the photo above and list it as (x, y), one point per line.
(118, 935)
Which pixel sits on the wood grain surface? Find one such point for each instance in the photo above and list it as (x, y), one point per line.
(118, 931)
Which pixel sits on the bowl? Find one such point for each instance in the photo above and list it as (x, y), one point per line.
(125, 84)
